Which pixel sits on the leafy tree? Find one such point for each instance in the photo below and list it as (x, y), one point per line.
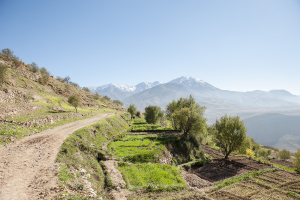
(45, 76)
(138, 114)
(284, 154)
(297, 160)
(118, 102)
(8, 52)
(186, 115)
(3, 72)
(153, 114)
(230, 134)
(34, 67)
(97, 96)
(107, 98)
(86, 89)
(132, 110)
(75, 101)
(67, 79)
(74, 84)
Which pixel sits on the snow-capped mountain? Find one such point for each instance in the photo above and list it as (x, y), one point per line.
(193, 83)
(120, 92)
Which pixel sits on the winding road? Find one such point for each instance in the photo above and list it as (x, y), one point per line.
(27, 166)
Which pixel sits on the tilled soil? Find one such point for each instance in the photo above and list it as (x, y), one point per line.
(27, 166)
(214, 153)
(283, 162)
(220, 169)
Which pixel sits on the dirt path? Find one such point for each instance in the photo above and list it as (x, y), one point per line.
(27, 165)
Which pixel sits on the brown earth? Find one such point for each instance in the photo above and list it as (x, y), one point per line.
(27, 165)
(220, 169)
(283, 162)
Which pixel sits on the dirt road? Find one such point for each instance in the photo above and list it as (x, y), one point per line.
(27, 165)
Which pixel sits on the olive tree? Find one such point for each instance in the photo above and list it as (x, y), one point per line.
(153, 114)
(3, 72)
(186, 115)
(75, 101)
(230, 134)
(132, 110)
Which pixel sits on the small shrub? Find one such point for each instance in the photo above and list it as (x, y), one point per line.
(297, 160)
(60, 79)
(34, 67)
(250, 153)
(284, 154)
(79, 186)
(16, 62)
(86, 89)
(107, 97)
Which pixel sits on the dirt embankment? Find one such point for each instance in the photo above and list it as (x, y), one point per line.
(27, 165)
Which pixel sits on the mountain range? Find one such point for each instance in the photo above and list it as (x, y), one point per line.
(254, 104)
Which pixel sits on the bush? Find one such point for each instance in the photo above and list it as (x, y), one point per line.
(97, 96)
(3, 72)
(284, 154)
(153, 114)
(118, 102)
(250, 153)
(107, 98)
(74, 84)
(86, 89)
(60, 79)
(16, 62)
(44, 79)
(34, 67)
(138, 114)
(297, 160)
(264, 152)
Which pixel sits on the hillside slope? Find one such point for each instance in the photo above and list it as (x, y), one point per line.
(29, 105)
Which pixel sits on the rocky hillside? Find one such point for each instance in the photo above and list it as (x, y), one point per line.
(32, 102)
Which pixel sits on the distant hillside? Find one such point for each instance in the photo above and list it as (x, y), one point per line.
(276, 130)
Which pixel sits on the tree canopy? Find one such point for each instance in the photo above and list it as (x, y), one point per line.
(132, 110)
(153, 114)
(186, 115)
(75, 101)
(230, 134)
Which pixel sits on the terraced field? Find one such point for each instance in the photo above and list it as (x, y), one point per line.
(272, 185)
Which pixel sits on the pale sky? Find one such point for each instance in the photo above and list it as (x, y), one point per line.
(239, 45)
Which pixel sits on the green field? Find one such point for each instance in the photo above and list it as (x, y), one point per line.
(152, 176)
(139, 148)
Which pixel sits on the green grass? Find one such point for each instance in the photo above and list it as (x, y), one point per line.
(135, 149)
(243, 177)
(285, 168)
(154, 177)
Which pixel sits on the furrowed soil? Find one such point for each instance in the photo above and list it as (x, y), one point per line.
(272, 185)
(220, 169)
(27, 166)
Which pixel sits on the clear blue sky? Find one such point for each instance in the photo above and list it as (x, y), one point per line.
(239, 45)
